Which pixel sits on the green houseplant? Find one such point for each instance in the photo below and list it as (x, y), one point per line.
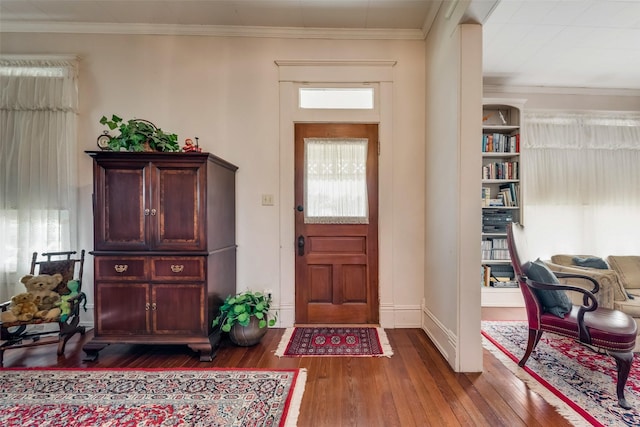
(246, 317)
(139, 135)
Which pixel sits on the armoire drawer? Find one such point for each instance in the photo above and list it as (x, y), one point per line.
(177, 268)
(121, 268)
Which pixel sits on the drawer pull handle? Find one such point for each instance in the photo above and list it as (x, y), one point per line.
(120, 268)
(177, 268)
(146, 306)
(146, 212)
(153, 306)
(153, 212)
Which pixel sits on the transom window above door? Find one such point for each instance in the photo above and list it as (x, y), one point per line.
(338, 98)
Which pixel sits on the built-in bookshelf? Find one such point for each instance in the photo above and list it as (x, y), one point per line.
(501, 198)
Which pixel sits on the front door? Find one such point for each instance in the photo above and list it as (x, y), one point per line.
(336, 197)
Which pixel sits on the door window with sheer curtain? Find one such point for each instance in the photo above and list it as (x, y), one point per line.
(335, 181)
(38, 162)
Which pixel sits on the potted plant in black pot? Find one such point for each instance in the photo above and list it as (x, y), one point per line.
(245, 317)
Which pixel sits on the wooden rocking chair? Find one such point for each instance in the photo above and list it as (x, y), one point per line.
(20, 334)
(611, 331)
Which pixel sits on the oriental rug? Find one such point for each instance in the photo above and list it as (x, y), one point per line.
(579, 382)
(150, 397)
(334, 341)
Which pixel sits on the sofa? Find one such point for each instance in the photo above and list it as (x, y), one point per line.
(618, 276)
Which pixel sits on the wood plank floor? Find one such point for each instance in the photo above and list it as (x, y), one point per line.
(415, 387)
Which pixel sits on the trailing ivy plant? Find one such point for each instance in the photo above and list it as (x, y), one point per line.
(135, 134)
(238, 309)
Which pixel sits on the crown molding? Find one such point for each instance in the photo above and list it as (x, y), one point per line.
(211, 30)
(557, 90)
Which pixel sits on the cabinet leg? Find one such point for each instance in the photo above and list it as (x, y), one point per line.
(205, 350)
(92, 351)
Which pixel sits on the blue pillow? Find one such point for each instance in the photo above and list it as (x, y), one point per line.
(592, 262)
(553, 301)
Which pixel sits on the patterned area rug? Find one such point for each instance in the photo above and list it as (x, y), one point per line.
(150, 397)
(580, 383)
(334, 341)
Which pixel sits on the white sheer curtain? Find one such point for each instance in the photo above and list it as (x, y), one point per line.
(335, 181)
(581, 182)
(38, 162)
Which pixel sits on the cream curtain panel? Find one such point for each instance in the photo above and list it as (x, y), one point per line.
(335, 181)
(38, 162)
(581, 182)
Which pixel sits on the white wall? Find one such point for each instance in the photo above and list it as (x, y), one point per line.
(225, 91)
(452, 221)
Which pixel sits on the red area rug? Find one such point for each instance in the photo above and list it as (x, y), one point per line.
(334, 341)
(150, 397)
(580, 383)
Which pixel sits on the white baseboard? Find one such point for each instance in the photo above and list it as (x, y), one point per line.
(444, 339)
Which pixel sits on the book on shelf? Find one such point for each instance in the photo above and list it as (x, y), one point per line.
(500, 143)
(500, 170)
(486, 196)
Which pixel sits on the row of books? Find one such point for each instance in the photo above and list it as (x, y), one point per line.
(500, 143)
(501, 170)
(508, 195)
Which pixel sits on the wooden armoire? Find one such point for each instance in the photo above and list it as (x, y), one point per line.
(164, 248)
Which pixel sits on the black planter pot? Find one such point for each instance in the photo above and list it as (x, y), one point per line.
(249, 335)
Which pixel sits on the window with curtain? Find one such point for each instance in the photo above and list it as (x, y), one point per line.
(581, 182)
(335, 181)
(38, 162)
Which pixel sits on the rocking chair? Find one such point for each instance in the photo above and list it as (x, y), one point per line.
(611, 331)
(20, 334)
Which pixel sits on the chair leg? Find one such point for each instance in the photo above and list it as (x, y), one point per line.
(623, 362)
(534, 338)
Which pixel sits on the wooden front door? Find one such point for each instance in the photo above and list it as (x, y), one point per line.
(336, 197)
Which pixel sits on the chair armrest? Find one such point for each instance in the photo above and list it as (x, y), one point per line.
(5, 305)
(590, 303)
(594, 282)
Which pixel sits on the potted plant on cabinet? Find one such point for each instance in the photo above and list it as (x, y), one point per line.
(245, 317)
(139, 135)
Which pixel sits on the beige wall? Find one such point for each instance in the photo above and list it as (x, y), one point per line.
(226, 92)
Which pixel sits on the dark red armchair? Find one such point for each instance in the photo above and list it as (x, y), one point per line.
(610, 330)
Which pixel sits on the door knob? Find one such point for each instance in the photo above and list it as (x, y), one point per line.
(300, 208)
(300, 245)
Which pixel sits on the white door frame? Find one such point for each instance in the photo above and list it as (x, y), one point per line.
(292, 75)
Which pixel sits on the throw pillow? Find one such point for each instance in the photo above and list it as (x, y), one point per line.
(553, 301)
(591, 262)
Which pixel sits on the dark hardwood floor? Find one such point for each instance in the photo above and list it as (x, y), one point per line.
(415, 387)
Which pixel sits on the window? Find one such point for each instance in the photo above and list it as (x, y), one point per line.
(335, 181)
(38, 204)
(337, 98)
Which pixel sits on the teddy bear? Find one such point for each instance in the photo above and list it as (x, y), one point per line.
(42, 288)
(22, 308)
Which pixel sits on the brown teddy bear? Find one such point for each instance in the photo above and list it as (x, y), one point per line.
(42, 288)
(22, 309)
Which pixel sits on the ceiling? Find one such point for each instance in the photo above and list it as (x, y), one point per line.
(531, 43)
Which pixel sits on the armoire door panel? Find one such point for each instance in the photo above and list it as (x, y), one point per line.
(122, 308)
(178, 204)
